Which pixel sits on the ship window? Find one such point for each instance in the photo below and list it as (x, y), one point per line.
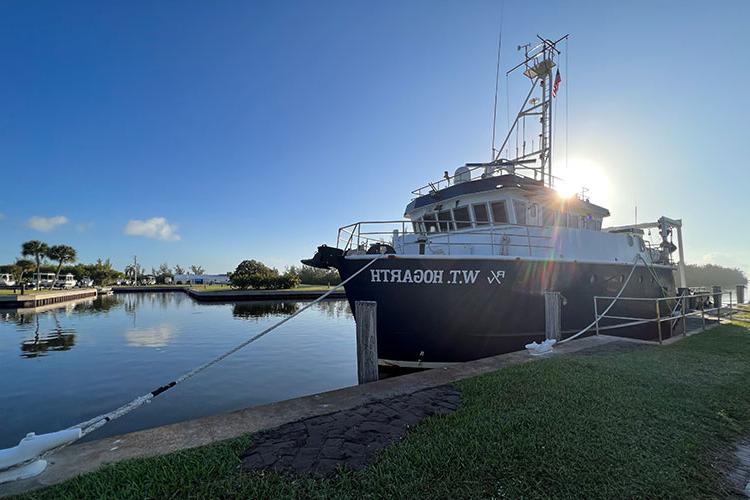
(597, 224)
(562, 219)
(446, 222)
(462, 218)
(417, 226)
(630, 240)
(480, 214)
(430, 223)
(532, 211)
(520, 208)
(499, 213)
(574, 221)
(548, 216)
(642, 244)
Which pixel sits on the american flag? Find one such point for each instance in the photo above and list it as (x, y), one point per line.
(557, 84)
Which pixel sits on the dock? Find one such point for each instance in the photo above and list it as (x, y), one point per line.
(44, 298)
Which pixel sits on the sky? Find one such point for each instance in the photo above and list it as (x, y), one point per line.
(211, 132)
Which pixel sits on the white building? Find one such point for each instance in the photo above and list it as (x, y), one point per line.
(201, 279)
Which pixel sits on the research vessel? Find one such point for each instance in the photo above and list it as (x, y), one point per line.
(463, 275)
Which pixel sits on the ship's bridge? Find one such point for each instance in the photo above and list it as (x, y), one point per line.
(500, 200)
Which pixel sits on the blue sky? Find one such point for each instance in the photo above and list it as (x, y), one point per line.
(210, 132)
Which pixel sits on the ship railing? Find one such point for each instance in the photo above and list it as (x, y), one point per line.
(478, 171)
(708, 306)
(361, 235)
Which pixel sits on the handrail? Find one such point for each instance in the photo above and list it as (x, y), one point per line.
(355, 237)
(682, 301)
(501, 168)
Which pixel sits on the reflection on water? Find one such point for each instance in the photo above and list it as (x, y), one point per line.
(69, 362)
(155, 336)
(59, 340)
(248, 310)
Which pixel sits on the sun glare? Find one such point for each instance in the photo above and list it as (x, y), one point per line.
(583, 177)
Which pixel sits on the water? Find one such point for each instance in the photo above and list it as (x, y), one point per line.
(68, 364)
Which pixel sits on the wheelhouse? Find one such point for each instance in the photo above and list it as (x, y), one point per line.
(500, 201)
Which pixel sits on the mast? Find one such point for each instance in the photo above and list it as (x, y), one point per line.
(538, 65)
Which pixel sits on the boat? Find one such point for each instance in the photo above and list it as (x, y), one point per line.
(463, 276)
(7, 280)
(67, 281)
(46, 280)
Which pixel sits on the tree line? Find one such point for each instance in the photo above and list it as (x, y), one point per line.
(711, 274)
(255, 274)
(39, 257)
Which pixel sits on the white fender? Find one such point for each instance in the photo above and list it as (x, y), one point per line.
(18, 462)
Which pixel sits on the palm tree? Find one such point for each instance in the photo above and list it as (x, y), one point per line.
(38, 250)
(23, 266)
(62, 254)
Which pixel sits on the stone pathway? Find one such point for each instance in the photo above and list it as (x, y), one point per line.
(349, 438)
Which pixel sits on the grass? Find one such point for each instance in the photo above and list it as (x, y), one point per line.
(227, 288)
(647, 423)
(10, 291)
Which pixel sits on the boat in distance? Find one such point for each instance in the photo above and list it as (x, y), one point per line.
(463, 276)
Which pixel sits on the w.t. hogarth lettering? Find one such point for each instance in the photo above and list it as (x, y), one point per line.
(433, 277)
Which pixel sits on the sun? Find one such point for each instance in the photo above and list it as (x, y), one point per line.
(582, 177)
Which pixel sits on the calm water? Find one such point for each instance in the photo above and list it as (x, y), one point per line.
(68, 364)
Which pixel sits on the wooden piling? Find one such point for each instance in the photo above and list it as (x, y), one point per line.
(367, 341)
(740, 294)
(716, 291)
(552, 315)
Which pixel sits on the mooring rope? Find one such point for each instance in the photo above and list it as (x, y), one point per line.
(600, 316)
(95, 423)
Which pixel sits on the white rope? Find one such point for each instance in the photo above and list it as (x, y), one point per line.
(95, 423)
(597, 318)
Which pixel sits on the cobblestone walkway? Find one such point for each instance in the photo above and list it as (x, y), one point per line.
(348, 438)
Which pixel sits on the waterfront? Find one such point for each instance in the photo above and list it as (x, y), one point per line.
(67, 364)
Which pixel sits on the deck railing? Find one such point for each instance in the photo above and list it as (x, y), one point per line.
(679, 312)
(361, 235)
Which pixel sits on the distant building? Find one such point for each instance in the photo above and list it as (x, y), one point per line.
(201, 279)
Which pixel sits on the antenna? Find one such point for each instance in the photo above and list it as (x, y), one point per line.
(497, 82)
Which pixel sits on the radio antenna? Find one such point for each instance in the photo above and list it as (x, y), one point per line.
(497, 81)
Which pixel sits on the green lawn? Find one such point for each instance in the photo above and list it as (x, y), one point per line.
(227, 288)
(647, 423)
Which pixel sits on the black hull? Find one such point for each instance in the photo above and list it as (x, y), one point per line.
(453, 310)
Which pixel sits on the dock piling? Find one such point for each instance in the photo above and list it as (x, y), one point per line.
(552, 315)
(740, 294)
(367, 341)
(716, 290)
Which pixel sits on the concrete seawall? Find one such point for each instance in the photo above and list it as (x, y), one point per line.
(37, 299)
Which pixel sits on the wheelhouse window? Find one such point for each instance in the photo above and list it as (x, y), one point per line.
(499, 212)
(446, 222)
(481, 216)
(574, 221)
(461, 217)
(430, 223)
(520, 209)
